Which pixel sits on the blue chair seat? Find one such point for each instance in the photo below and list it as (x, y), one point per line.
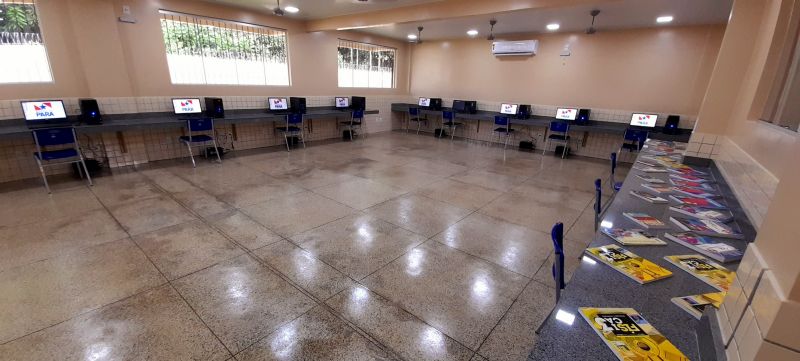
(196, 138)
(57, 154)
(291, 129)
(558, 137)
(617, 186)
(503, 130)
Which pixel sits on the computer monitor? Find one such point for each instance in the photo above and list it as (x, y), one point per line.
(358, 103)
(186, 105)
(342, 102)
(44, 110)
(278, 104)
(567, 113)
(644, 120)
(510, 109)
(424, 102)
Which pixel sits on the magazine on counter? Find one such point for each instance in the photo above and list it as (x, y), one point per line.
(707, 227)
(650, 179)
(628, 263)
(650, 169)
(696, 304)
(719, 215)
(704, 269)
(629, 336)
(691, 178)
(645, 220)
(658, 188)
(721, 252)
(701, 185)
(632, 237)
(697, 201)
(647, 197)
(696, 192)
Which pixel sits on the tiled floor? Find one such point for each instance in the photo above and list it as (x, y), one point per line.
(394, 246)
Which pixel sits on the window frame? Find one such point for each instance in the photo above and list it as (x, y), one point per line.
(44, 44)
(377, 49)
(163, 12)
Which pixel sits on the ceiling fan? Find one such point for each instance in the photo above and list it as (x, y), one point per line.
(278, 11)
(591, 30)
(418, 39)
(492, 23)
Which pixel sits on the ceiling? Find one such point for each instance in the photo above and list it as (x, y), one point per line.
(615, 15)
(318, 9)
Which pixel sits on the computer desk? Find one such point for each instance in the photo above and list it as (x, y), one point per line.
(593, 126)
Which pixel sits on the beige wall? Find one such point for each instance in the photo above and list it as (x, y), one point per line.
(659, 70)
(92, 54)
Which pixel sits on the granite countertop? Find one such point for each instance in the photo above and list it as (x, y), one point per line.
(595, 284)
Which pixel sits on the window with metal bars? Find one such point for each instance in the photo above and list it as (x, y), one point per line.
(23, 58)
(363, 65)
(202, 50)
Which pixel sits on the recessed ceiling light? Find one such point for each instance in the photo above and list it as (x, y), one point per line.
(553, 27)
(291, 9)
(663, 19)
(472, 32)
(412, 37)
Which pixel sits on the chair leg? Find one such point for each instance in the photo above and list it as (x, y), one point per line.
(44, 177)
(351, 131)
(419, 125)
(505, 142)
(546, 144)
(216, 150)
(303, 138)
(191, 156)
(286, 140)
(453, 132)
(88, 177)
(564, 151)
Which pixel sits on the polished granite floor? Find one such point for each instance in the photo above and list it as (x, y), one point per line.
(394, 246)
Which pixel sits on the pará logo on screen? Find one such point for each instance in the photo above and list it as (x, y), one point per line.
(187, 105)
(44, 109)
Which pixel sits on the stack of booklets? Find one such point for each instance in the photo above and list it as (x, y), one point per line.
(719, 215)
(697, 201)
(647, 169)
(632, 237)
(683, 183)
(647, 197)
(645, 220)
(696, 304)
(704, 269)
(707, 227)
(629, 336)
(696, 192)
(650, 179)
(718, 251)
(658, 188)
(628, 263)
(690, 178)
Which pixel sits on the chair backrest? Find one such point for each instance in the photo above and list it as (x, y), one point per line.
(613, 163)
(54, 136)
(413, 111)
(358, 114)
(501, 120)
(294, 118)
(636, 135)
(560, 127)
(448, 115)
(557, 234)
(200, 124)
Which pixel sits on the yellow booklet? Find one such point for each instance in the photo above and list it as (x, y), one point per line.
(630, 336)
(696, 304)
(631, 265)
(705, 269)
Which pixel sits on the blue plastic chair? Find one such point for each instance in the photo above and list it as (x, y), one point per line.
(199, 137)
(616, 186)
(356, 121)
(633, 140)
(557, 235)
(503, 126)
(414, 116)
(449, 121)
(68, 151)
(559, 133)
(293, 128)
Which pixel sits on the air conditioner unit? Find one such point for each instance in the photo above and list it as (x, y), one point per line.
(522, 47)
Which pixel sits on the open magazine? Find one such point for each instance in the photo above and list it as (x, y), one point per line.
(629, 336)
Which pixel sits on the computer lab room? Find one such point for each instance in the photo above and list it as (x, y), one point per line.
(446, 180)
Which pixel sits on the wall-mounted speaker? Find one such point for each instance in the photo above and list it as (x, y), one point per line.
(583, 116)
(90, 111)
(297, 105)
(214, 108)
(671, 126)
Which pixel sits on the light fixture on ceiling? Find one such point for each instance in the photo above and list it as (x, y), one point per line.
(492, 23)
(591, 30)
(472, 32)
(291, 9)
(664, 19)
(412, 36)
(553, 27)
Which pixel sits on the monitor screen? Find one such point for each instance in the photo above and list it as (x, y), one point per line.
(278, 104)
(187, 106)
(424, 102)
(566, 113)
(342, 102)
(459, 106)
(644, 120)
(509, 108)
(44, 110)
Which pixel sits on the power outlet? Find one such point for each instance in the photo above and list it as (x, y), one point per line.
(126, 9)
